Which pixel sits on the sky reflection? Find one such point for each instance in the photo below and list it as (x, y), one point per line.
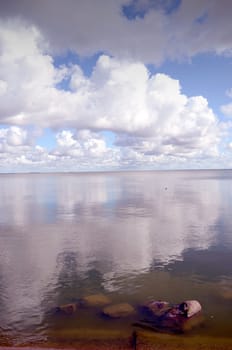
(115, 225)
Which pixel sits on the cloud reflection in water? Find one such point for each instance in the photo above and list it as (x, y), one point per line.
(114, 225)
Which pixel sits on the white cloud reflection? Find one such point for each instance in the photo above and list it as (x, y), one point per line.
(119, 224)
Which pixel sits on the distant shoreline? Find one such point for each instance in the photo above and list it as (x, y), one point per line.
(118, 171)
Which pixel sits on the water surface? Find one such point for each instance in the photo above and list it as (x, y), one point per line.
(133, 236)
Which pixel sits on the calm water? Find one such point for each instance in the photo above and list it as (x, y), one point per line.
(131, 236)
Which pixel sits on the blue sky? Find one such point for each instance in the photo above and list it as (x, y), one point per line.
(114, 85)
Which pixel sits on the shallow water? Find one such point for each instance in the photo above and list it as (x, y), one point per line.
(131, 236)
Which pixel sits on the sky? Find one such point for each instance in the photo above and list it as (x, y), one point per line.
(104, 85)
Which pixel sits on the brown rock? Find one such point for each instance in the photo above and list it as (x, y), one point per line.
(118, 310)
(96, 300)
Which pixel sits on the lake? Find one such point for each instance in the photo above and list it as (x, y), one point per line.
(132, 236)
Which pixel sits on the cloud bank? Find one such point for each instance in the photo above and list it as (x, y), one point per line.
(152, 123)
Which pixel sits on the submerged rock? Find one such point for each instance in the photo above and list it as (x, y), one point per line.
(118, 310)
(95, 300)
(175, 318)
(67, 309)
(156, 308)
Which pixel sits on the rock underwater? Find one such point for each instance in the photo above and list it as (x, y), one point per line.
(118, 310)
(161, 315)
(95, 300)
(89, 301)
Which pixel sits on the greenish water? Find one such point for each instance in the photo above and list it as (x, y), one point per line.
(131, 236)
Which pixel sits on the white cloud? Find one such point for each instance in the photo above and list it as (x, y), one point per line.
(85, 147)
(154, 121)
(227, 109)
(19, 152)
(88, 27)
(13, 137)
(80, 151)
(27, 74)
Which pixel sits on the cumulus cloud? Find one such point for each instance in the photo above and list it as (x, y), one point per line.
(13, 136)
(27, 76)
(18, 150)
(153, 120)
(227, 109)
(73, 151)
(152, 30)
(84, 145)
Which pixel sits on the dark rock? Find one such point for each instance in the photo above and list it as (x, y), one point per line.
(156, 308)
(172, 318)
